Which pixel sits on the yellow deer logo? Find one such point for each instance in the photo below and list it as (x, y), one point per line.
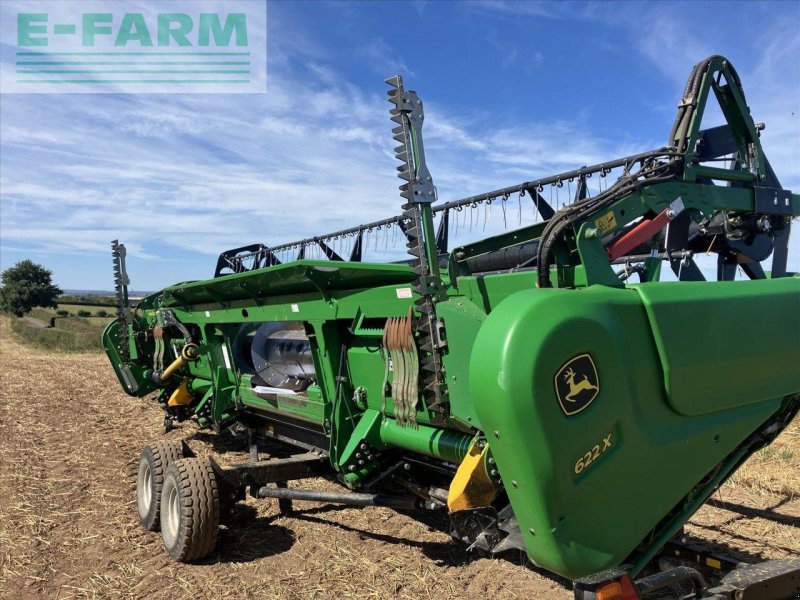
(576, 384)
(576, 388)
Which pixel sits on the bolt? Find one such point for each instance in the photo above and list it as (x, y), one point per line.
(363, 446)
(491, 460)
(407, 467)
(531, 531)
(351, 468)
(514, 483)
(493, 472)
(358, 454)
(454, 377)
(361, 463)
(497, 434)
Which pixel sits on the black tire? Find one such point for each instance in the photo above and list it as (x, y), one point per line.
(190, 509)
(153, 465)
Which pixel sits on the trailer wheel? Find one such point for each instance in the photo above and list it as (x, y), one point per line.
(190, 509)
(153, 465)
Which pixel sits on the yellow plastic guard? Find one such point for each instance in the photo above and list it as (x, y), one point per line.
(181, 396)
(471, 487)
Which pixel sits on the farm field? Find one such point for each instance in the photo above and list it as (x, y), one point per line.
(94, 320)
(69, 444)
(44, 328)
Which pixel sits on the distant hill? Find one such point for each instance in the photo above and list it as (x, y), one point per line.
(104, 293)
(102, 298)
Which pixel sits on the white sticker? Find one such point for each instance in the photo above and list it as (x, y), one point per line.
(208, 313)
(403, 292)
(295, 308)
(676, 206)
(226, 357)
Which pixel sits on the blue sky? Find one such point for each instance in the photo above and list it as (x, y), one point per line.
(513, 91)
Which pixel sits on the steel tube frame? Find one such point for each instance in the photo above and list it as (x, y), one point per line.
(346, 498)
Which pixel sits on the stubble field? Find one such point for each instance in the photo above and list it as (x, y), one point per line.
(69, 444)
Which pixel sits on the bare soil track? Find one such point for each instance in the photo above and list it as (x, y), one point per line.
(69, 443)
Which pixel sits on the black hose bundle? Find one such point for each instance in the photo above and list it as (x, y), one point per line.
(653, 170)
(688, 104)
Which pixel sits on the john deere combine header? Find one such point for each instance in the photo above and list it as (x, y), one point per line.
(542, 385)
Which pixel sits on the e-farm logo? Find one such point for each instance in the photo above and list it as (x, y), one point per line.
(122, 47)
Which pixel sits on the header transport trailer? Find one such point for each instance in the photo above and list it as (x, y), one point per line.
(542, 385)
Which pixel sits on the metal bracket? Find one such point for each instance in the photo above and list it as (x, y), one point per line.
(301, 466)
(773, 201)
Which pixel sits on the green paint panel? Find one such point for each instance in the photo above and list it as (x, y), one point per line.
(584, 505)
(434, 442)
(462, 320)
(712, 345)
(301, 406)
(295, 277)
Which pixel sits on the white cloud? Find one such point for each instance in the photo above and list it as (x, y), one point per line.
(380, 57)
(179, 176)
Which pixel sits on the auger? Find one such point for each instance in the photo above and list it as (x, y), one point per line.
(543, 385)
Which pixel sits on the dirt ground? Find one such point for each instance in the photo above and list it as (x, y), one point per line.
(69, 442)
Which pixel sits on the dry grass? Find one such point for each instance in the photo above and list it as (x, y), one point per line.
(69, 440)
(756, 514)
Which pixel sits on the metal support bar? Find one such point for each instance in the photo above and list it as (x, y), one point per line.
(771, 580)
(356, 252)
(684, 552)
(443, 444)
(346, 498)
(301, 466)
(659, 581)
(632, 258)
(442, 233)
(329, 252)
(724, 174)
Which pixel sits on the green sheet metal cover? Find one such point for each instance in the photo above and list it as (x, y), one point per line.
(726, 344)
(294, 277)
(590, 472)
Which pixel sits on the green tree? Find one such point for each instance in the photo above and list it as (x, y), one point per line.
(26, 285)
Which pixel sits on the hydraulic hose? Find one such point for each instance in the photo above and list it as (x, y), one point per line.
(649, 174)
(652, 172)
